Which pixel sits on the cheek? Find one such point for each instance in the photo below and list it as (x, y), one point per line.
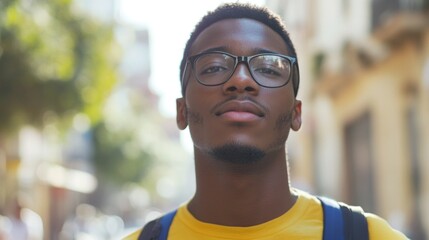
(282, 114)
(283, 121)
(199, 100)
(280, 130)
(197, 114)
(196, 109)
(194, 117)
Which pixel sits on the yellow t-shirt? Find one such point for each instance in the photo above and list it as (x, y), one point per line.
(303, 221)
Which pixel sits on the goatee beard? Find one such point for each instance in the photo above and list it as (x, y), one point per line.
(238, 153)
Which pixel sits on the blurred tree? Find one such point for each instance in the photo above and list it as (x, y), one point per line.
(51, 60)
(118, 156)
(54, 64)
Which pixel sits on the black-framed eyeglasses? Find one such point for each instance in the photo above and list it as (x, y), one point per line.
(214, 68)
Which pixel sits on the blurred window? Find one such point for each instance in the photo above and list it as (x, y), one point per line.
(382, 10)
(359, 162)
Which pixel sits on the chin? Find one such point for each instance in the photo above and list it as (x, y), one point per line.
(238, 153)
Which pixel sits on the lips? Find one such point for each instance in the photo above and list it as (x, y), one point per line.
(239, 109)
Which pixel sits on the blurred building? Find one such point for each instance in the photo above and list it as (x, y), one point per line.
(365, 90)
(133, 104)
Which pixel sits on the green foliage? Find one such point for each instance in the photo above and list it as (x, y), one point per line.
(118, 156)
(318, 61)
(55, 63)
(51, 60)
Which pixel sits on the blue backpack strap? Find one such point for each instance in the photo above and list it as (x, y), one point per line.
(166, 221)
(355, 224)
(333, 226)
(157, 229)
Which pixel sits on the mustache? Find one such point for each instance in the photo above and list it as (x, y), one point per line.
(240, 98)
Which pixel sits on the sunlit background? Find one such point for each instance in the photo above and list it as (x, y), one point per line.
(89, 147)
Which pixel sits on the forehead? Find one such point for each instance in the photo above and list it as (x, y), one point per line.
(240, 37)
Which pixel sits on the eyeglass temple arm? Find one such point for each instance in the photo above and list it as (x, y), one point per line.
(182, 80)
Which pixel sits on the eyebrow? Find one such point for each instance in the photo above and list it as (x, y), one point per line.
(226, 49)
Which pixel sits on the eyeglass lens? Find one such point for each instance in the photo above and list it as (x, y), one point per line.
(267, 70)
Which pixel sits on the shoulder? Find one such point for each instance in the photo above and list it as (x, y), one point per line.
(303, 195)
(379, 228)
(133, 236)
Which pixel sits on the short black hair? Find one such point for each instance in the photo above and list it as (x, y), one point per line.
(242, 10)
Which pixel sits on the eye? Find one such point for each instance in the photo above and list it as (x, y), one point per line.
(212, 69)
(268, 71)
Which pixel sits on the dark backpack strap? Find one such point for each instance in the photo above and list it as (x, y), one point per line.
(343, 222)
(151, 230)
(158, 229)
(356, 226)
(332, 220)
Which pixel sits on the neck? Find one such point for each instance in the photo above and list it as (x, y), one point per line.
(241, 194)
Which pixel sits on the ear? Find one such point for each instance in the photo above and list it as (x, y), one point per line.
(296, 116)
(181, 114)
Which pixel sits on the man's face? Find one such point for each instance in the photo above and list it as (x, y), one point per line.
(239, 111)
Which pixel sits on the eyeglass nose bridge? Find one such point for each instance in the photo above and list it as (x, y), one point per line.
(243, 59)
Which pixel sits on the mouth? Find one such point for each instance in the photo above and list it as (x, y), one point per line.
(239, 110)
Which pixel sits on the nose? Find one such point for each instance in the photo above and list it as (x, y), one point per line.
(241, 81)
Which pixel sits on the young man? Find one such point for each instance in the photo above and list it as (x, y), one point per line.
(240, 80)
